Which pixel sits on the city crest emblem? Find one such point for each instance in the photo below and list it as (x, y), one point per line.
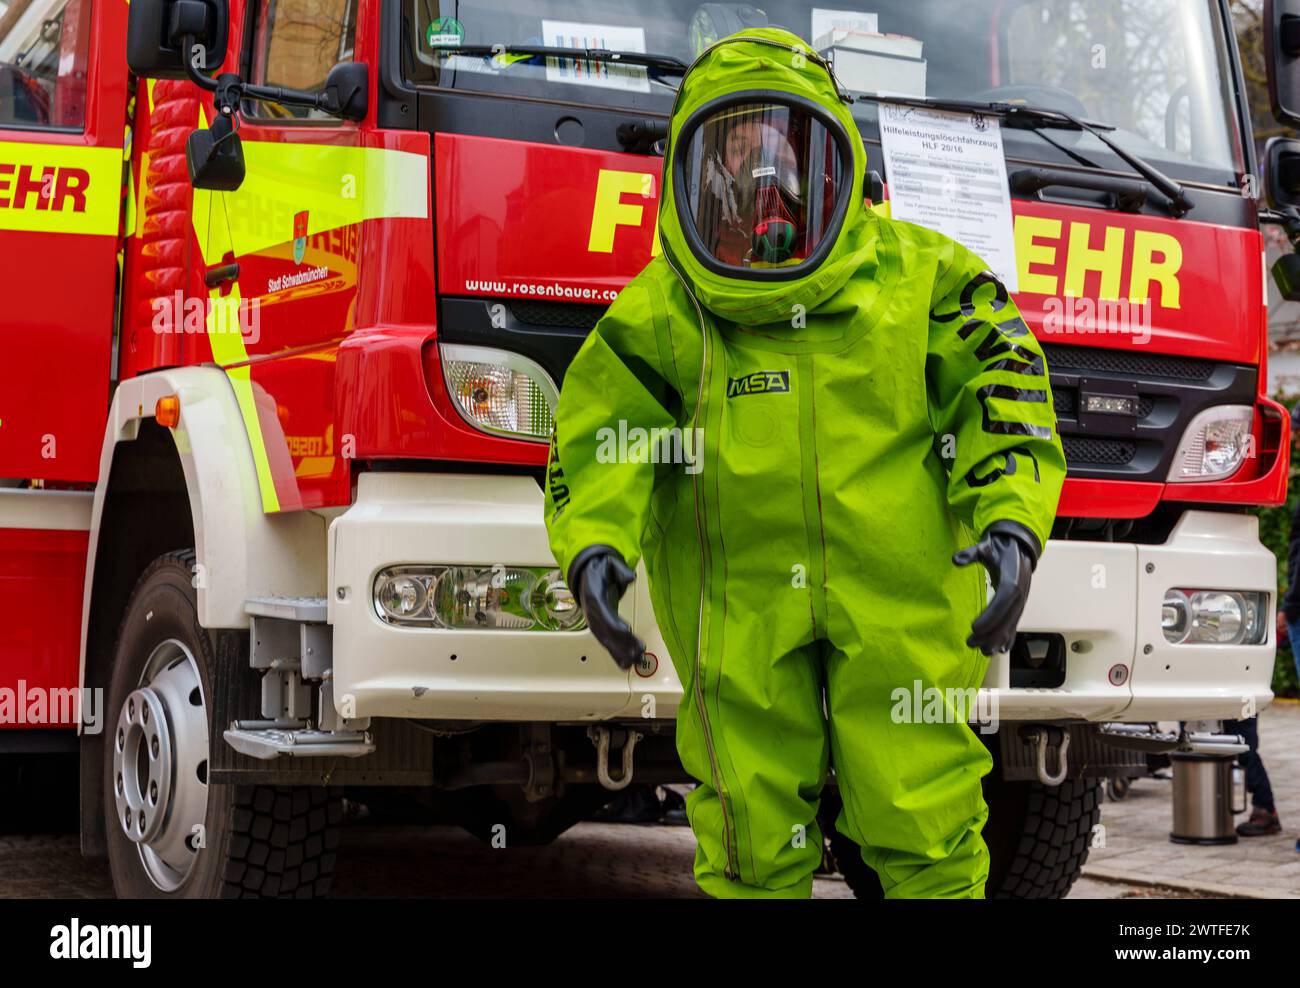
(299, 236)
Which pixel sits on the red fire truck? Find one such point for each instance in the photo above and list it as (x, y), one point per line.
(289, 289)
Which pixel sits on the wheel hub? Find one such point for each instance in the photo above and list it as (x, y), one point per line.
(160, 763)
(142, 765)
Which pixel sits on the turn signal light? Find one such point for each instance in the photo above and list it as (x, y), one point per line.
(168, 411)
(499, 391)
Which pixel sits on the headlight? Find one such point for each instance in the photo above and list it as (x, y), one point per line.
(511, 598)
(499, 391)
(1214, 445)
(1214, 617)
(401, 597)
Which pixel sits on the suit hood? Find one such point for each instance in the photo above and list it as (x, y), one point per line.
(767, 62)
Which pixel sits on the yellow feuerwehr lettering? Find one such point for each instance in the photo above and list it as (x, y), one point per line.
(1029, 231)
(1146, 269)
(610, 211)
(56, 188)
(1083, 258)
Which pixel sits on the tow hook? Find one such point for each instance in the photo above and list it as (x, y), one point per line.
(1041, 738)
(600, 737)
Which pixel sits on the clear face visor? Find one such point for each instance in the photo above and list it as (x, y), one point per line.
(761, 182)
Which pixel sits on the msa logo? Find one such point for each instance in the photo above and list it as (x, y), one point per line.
(758, 383)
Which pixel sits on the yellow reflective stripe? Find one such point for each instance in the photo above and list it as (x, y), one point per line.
(335, 186)
(241, 381)
(228, 348)
(132, 204)
(58, 188)
(143, 190)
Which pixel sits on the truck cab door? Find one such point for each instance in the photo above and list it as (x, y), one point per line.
(288, 239)
(62, 113)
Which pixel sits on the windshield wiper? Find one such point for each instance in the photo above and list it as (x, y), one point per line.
(665, 63)
(1032, 117)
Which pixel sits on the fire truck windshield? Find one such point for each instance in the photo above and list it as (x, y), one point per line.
(1156, 71)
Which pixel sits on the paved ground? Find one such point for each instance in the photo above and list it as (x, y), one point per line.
(591, 861)
(606, 860)
(1137, 829)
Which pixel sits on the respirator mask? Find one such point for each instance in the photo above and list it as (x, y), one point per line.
(761, 182)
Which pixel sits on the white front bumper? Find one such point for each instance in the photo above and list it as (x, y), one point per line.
(1105, 599)
(385, 671)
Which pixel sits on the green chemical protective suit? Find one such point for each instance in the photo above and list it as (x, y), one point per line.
(841, 412)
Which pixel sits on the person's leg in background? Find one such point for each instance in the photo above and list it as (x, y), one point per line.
(1263, 816)
(1292, 629)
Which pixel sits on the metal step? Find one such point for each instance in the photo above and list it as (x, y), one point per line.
(310, 610)
(1146, 738)
(268, 744)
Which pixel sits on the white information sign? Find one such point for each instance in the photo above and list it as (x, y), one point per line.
(610, 75)
(947, 171)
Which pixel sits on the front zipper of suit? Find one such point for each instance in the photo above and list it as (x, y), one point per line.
(732, 870)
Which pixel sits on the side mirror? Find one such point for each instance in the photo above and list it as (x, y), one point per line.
(156, 32)
(346, 89)
(1282, 183)
(1286, 275)
(1282, 58)
(1282, 173)
(215, 157)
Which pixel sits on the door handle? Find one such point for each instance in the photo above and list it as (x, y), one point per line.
(218, 276)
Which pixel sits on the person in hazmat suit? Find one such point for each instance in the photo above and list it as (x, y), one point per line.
(866, 415)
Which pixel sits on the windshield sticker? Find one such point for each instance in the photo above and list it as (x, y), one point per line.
(445, 32)
(825, 22)
(606, 74)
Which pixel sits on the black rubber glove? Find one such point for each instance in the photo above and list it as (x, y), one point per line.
(1009, 551)
(598, 577)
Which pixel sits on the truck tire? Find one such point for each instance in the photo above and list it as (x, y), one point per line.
(1038, 838)
(171, 834)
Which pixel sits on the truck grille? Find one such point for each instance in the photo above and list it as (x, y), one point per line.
(1168, 391)
(1081, 451)
(1127, 362)
(557, 315)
